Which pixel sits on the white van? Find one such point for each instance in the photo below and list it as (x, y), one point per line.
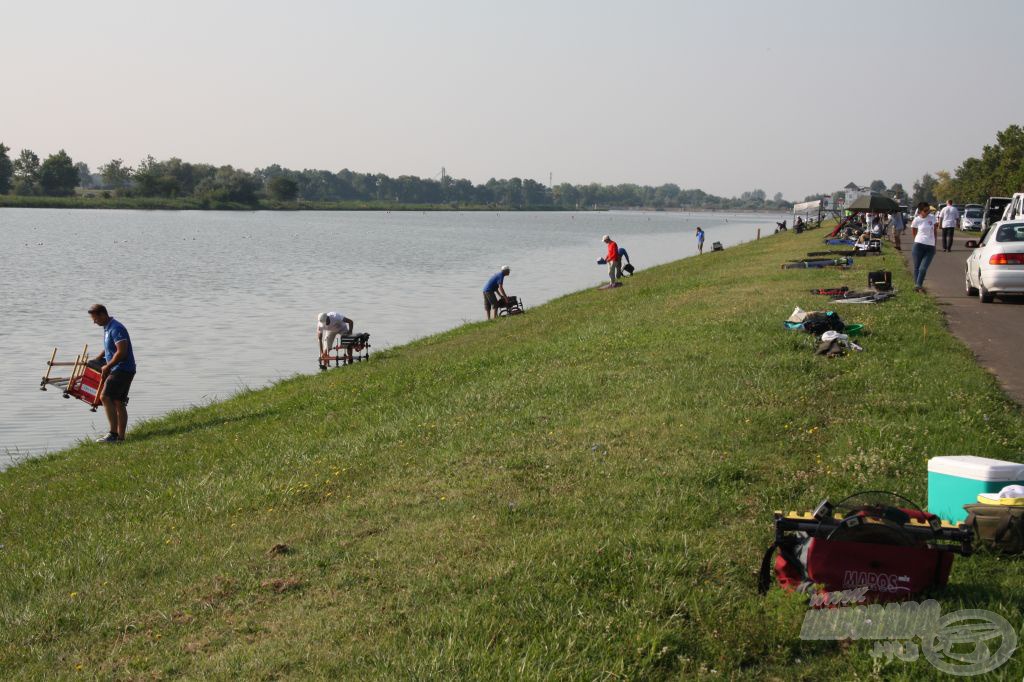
(1015, 209)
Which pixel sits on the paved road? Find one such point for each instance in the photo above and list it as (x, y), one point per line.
(994, 331)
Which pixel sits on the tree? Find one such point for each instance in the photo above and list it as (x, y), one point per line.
(58, 176)
(6, 169)
(924, 190)
(877, 186)
(84, 174)
(162, 178)
(944, 189)
(115, 174)
(229, 184)
(778, 198)
(26, 173)
(281, 188)
(898, 193)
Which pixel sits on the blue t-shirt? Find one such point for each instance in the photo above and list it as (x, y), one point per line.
(496, 279)
(113, 332)
(700, 236)
(623, 254)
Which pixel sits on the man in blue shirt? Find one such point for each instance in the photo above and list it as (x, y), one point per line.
(118, 370)
(495, 285)
(700, 240)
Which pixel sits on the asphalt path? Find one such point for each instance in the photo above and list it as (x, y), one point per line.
(993, 331)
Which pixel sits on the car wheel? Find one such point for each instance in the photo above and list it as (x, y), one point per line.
(984, 295)
(968, 289)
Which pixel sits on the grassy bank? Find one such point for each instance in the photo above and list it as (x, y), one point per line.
(585, 490)
(200, 204)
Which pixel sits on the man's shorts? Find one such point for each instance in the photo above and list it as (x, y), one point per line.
(117, 384)
(329, 337)
(490, 300)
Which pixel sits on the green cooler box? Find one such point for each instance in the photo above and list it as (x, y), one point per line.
(956, 481)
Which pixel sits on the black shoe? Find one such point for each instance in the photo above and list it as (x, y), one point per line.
(109, 438)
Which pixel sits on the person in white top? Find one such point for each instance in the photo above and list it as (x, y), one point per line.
(924, 228)
(950, 218)
(328, 327)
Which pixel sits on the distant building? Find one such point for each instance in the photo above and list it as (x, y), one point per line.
(852, 192)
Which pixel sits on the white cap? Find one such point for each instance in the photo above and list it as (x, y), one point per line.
(1012, 492)
(506, 269)
(606, 238)
(322, 318)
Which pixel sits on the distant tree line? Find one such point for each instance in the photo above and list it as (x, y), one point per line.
(999, 172)
(59, 175)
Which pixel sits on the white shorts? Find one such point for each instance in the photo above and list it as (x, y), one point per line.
(329, 337)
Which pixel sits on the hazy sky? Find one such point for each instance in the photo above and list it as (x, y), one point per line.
(787, 96)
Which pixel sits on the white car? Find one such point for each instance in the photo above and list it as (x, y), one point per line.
(996, 265)
(970, 219)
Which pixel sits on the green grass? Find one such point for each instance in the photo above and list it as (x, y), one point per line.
(583, 491)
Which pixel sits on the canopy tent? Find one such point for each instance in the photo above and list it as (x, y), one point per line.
(873, 203)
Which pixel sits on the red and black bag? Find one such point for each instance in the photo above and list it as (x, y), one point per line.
(889, 553)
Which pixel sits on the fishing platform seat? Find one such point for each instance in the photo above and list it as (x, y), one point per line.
(85, 382)
(347, 350)
(510, 305)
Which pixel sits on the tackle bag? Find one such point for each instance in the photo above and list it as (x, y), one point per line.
(880, 280)
(887, 552)
(999, 527)
(820, 322)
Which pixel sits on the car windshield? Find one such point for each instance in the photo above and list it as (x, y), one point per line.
(973, 213)
(1010, 233)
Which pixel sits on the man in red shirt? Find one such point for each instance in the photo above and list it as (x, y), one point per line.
(614, 268)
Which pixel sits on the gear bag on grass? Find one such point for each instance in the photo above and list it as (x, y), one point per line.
(996, 526)
(889, 550)
(820, 322)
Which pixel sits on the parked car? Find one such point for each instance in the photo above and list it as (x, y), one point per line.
(970, 219)
(996, 265)
(993, 211)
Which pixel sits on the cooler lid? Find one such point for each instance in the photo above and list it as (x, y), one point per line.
(977, 468)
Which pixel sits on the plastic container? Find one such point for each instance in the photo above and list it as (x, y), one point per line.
(958, 480)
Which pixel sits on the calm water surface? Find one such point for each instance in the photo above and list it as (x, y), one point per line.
(219, 301)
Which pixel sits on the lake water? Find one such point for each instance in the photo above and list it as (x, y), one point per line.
(219, 301)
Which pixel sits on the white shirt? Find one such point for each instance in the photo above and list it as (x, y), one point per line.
(925, 229)
(335, 323)
(949, 216)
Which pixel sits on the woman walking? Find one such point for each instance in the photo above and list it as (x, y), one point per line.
(924, 228)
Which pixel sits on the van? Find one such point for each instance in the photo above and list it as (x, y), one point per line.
(993, 212)
(1015, 209)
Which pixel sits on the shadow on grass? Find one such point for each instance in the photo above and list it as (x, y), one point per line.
(147, 432)
(982, 594)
